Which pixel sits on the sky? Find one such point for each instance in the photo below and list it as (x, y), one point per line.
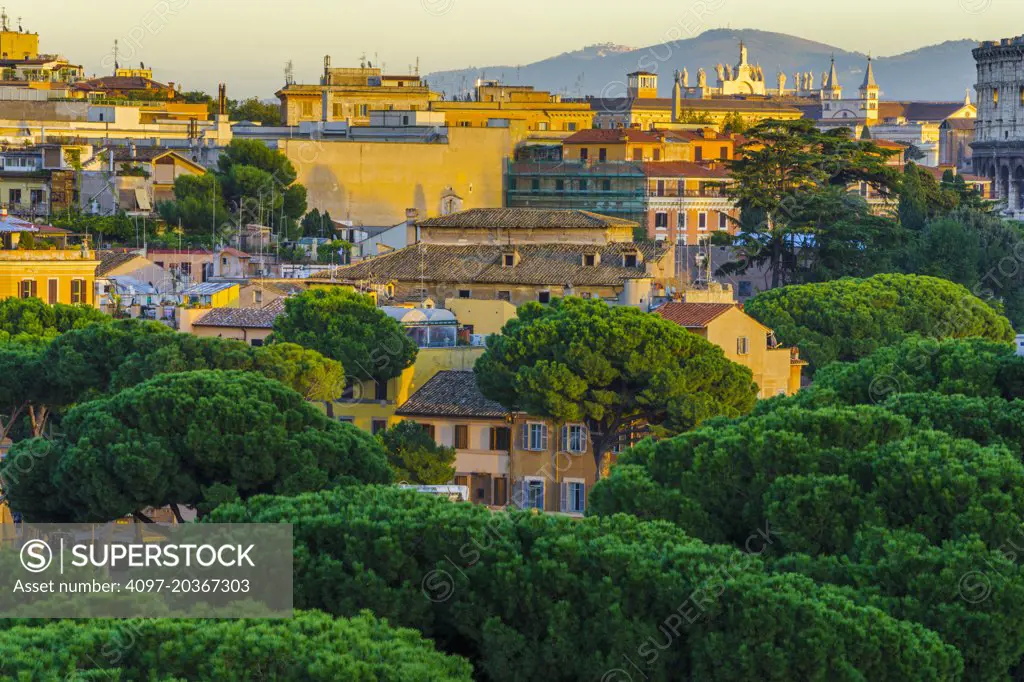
(246, 43)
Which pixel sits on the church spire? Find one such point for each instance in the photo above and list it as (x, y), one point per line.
(967, 98)
(833, 78)
(869, 77)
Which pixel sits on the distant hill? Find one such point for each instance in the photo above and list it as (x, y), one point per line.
(936, 72)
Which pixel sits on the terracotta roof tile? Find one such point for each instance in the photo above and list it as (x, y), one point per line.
(451, 393)
(525, 218)
(683, 169)
(111, 260)
(253, 318)
(693, 315)
(612, 135)
(539, 264)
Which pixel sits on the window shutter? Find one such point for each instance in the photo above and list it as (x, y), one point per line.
(564, 445)
(564, 497)
(583, 438)
(543, 437)
(518, 495)
(524, 436)
(583, 497)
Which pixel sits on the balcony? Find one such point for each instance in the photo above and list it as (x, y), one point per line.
(47, 255)
(676, 193)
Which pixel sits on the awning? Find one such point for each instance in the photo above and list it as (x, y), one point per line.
(142, 200)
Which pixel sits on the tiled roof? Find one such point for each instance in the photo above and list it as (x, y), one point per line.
(525, 218)
(111, 260)
(693, 315)
(539, 264)
(682, 169)
(451, 393)
(253, 318)
(120, 83)
(610, 135)
(918, 111)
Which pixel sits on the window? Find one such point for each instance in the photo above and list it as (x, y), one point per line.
(570, 126)
(574, 438)
(590, 260)
(661, 220)
(505, 296)
(995, 97)
(461, 437)
(659, 188)
(535, 436)
(574, 497)
(681, 219)
(512, 184)
(702, 221)
(746, 289)
(462, 479)
(544, 297)
(52, 293)
(346, 420)
(723, 221)
(602, 154)
(14, 196)
(698, 153)
(27, 288)
(429, 428)
(364, 109)
(510, 260)
(864, 189)
(638, 154)
(583, 185)
(464, 293)
(256, 343)
(36, 196)
(306, 109)
(405, 120)
(584, 153)
(743, 345)
(559, 185)
(723, 153)
(629, 260)
(535, 184)
(257, 296)
(606, 185)
(501, 438)
(534, 494)
(542, 125)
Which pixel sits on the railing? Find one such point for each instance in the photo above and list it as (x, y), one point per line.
(46, 255)
(673, 192)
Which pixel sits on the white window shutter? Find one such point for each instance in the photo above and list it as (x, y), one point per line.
(524, 436)
(543, 436)
(564, 445)
(564, 497)
(583, 438)
(583, 497)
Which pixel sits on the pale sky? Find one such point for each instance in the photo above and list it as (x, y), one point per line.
(247, 42)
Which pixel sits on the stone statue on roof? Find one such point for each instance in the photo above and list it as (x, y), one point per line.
(702, 79)
(686, 78)
(728, 72)
(782, 82)
(720, 70)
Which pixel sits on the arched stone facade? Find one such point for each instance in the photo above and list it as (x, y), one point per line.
(999, 131)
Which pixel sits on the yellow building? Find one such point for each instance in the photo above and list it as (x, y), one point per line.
(777, 371)
(350, 94)
(371, 406)
(501, 456)
(17, 44)
(44, 271)
(481, 317)
(540, 111)
(372, 181)
(249, 325)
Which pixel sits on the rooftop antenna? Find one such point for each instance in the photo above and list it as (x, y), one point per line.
(20, 29)
(3, 17)
(417, 66)
(116, 65)
(289, 72)
(362, 61)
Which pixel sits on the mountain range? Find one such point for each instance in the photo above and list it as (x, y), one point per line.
(934, 73)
